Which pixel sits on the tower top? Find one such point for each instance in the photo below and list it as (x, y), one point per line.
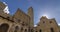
(31, 14)
(30, 11)
(30, 7)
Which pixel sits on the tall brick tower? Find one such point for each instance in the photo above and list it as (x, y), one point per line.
(30, 13)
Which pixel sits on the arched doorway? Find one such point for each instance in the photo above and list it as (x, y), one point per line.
(4, 27)
(52, 30)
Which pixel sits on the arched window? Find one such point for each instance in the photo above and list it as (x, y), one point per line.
(36, 31)
(40, 30)
(16, 29)
(29, 29)
(32, 30)
(4, 27)
(25, 30)
(21, 29)
(43, 21)
(50, 21)
(23, 23)
(52, 30)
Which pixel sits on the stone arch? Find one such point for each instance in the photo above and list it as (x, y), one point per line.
(4, 27)
(16, 29)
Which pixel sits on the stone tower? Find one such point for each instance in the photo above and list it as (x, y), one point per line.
(31, 23)
(30, 13)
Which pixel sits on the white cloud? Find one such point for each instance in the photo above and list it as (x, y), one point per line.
(6, 10)
(59, 24)
(35, 25)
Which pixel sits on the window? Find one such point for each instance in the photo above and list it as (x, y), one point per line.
(23, 24)
(40, 30)
(29, 29)
(43, 21)
(50, 21)
(26, 24)
(36, 31)
(21, 29)
(52, 30)
(16, 29)
(18, 20)
(38, 25)
(25, 30)
(32, 30)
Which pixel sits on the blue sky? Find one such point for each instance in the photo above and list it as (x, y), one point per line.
(50, 8)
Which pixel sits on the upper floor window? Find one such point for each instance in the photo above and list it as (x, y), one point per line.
(43, 21)
(50, 21)
(26, 24)
(23, 24)
(17, 20)
(38, 25)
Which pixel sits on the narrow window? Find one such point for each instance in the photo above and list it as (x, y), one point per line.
(43, 21)
(50, 21)
(25, 30)
(18, 20)
(40, 30)
(38, 25)
(52, 30)
(23, 24)
(31, 30)
(16, 29)
(21, 29)
(36, 31)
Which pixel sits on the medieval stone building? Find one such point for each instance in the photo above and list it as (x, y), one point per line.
(22, 22)
(19, 22)
(47, 25)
